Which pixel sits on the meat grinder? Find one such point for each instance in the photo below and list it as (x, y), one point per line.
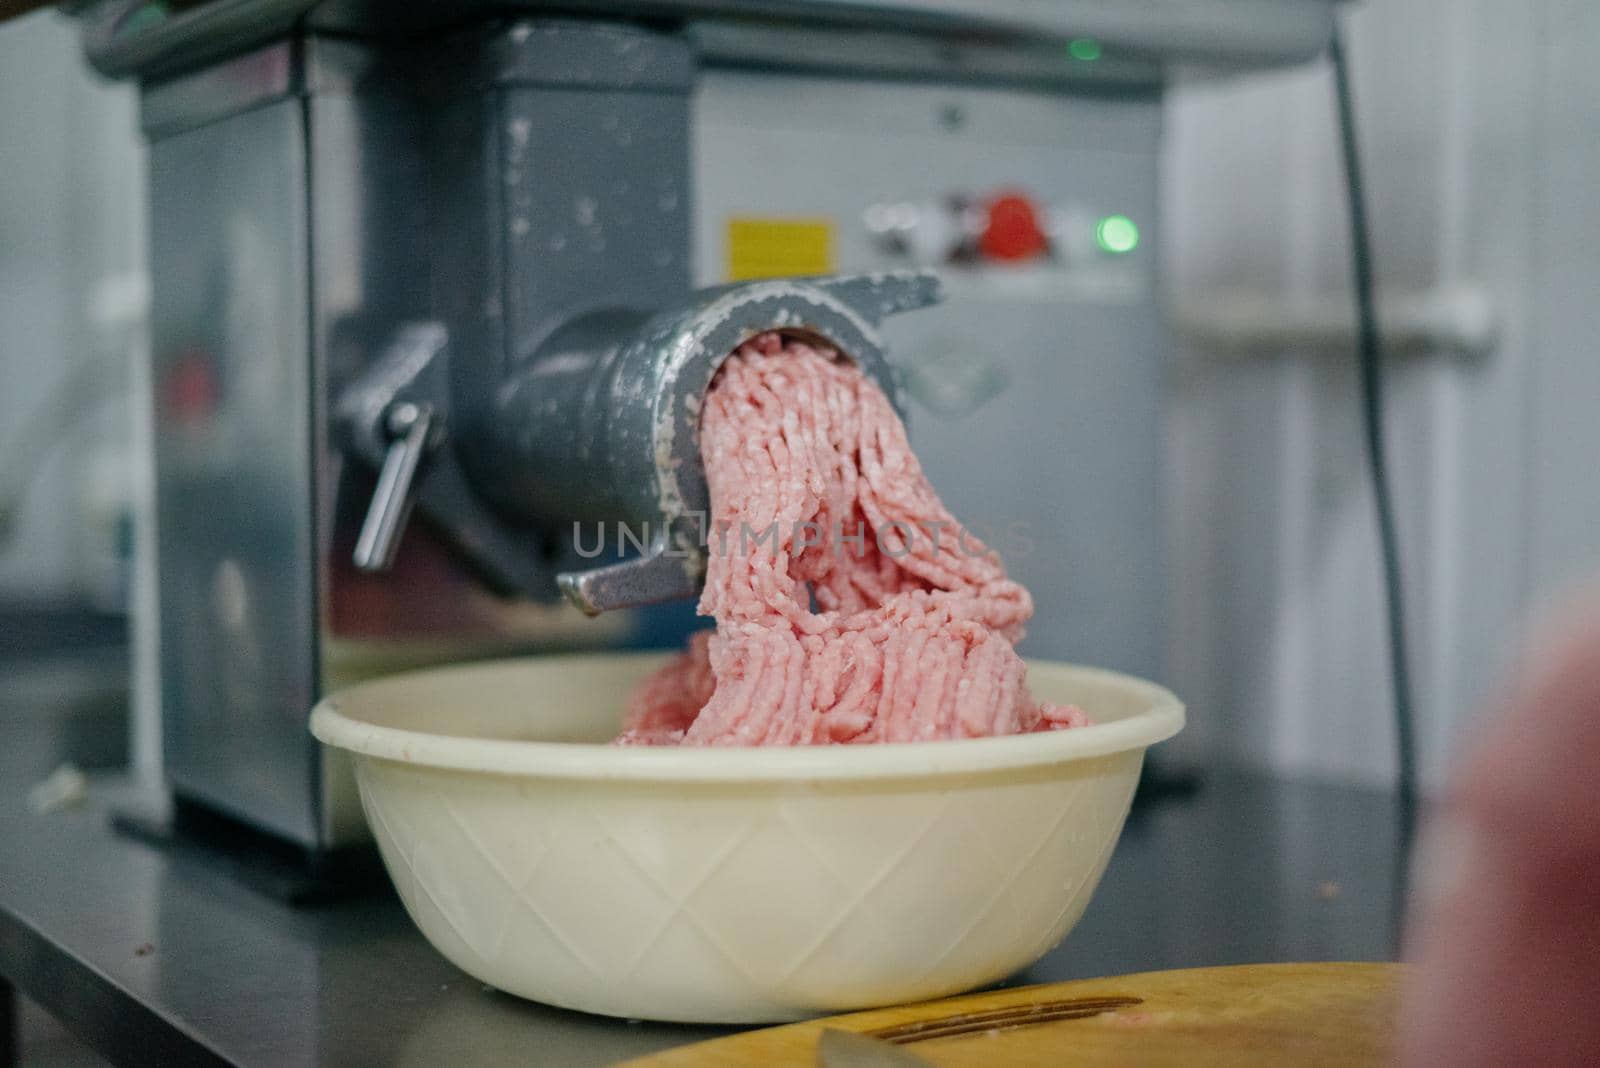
(451, 280)
(434, 258)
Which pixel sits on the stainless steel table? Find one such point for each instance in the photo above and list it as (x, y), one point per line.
(161, 958)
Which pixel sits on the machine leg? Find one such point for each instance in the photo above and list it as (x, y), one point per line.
(10, 1040)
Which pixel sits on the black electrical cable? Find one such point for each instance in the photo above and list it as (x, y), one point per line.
(1370, 358)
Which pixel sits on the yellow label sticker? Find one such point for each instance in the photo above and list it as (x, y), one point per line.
(761, 247)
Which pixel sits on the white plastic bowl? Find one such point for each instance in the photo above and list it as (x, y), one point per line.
(730, 885)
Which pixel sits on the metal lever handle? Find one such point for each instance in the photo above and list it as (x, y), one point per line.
(656, 576)
(411, 430)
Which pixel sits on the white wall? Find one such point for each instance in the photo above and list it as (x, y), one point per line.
(1481, 129)
(72, 204)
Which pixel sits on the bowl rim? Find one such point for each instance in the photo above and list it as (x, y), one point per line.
(724, 764)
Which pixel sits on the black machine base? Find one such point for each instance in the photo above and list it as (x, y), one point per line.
(265, 863)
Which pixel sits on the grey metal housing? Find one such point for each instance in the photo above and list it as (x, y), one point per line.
(440, 257)
(467, 267)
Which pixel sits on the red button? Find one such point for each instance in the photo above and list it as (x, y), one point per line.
(190, 386)
(1012, 230)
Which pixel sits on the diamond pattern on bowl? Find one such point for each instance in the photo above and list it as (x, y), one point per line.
(791, 899)
(685, 889)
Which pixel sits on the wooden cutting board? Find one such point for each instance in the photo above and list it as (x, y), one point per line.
(1335, 1015)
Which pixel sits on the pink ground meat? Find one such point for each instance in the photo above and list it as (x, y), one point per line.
(850, 605)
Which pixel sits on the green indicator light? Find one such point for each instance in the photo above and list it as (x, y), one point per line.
(1117, 233)
(1084, 48)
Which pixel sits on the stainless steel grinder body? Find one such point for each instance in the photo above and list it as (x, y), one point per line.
(483, 253)
(396, 266)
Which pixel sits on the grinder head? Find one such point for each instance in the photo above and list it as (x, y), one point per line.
(652, 411)
(599, 423)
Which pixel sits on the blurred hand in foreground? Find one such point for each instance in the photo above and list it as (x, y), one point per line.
(1506, 931)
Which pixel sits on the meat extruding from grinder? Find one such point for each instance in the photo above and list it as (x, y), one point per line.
(850, 605)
